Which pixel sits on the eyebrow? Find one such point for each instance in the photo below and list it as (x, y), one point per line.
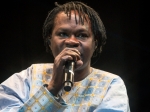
(67, 29)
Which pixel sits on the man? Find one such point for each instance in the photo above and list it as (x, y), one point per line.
(73, 32)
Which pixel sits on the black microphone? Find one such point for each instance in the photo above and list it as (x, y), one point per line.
(69, 75)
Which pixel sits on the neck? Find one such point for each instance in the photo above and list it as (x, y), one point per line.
(82, 73)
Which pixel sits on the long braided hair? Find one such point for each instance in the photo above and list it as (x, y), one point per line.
(83, 10)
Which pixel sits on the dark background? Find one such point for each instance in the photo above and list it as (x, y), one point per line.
(125, 53)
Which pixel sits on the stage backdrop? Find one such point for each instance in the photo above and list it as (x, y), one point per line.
(125, 53)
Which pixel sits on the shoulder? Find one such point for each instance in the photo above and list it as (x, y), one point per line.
(38, 65)
(41, 66)
(114, 90)
(107, 77)
(104, 74)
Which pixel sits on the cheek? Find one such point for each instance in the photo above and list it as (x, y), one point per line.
(53, 47)
(92, 46)
(89, 50)
(56, 47)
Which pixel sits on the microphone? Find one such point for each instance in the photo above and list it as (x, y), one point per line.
(69, 75)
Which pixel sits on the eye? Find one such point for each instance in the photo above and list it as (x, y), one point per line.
(82, 36)
(63, 34)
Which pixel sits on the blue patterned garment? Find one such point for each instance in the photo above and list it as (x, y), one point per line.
(100, 91)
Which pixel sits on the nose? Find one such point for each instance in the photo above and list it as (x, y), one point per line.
(72, 41)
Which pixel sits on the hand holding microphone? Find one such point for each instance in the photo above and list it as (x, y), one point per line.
(63, 75)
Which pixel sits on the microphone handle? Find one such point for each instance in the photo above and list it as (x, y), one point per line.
(69, 75)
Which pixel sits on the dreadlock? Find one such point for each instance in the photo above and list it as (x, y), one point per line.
(83, 11)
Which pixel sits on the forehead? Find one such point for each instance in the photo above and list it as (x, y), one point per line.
(72, 16)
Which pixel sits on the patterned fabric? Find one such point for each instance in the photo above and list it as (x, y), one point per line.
(100, 91)
(42, 102)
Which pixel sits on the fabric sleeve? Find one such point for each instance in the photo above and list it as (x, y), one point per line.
(43, 101)
(116, 99)
(15, 91)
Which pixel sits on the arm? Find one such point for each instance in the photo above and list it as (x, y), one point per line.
(116, 99)
(43, 100)
(14, 95)
(14, 91)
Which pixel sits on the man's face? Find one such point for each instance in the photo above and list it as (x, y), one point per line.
(66, 33)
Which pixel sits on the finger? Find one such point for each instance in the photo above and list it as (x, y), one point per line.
(73, 49)
(66, 58)
(73, 54)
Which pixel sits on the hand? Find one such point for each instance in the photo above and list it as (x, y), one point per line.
(65, 55)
